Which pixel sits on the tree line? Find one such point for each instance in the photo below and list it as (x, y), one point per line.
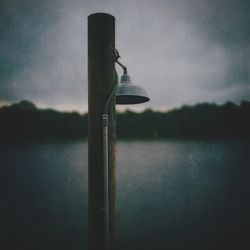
(25, 122)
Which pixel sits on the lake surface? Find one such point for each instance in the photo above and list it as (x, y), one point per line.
(170, 195)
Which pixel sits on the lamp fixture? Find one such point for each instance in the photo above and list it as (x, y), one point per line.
(129, 93)
(126, 91)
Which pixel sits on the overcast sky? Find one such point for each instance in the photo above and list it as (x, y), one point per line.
(181, 52)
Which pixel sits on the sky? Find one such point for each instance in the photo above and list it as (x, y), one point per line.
(182, 52)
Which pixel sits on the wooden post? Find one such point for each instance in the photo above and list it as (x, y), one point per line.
(101, 41)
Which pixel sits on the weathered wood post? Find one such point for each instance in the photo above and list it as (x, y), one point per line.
(101, 42)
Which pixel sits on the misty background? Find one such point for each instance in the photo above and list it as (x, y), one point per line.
(181, 52)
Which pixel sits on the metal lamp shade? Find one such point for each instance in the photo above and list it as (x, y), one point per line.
(129, 93)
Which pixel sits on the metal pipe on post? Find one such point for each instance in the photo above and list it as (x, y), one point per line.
(106, 179)
(101, 42)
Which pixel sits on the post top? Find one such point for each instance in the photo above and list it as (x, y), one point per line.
(100, 14)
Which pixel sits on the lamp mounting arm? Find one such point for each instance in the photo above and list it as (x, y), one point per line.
(117, 56)
(123, 67)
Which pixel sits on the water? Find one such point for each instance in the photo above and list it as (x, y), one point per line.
(170, 195)
(183, 195)
(44, 196)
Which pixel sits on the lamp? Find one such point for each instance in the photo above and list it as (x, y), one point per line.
(129, 93)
